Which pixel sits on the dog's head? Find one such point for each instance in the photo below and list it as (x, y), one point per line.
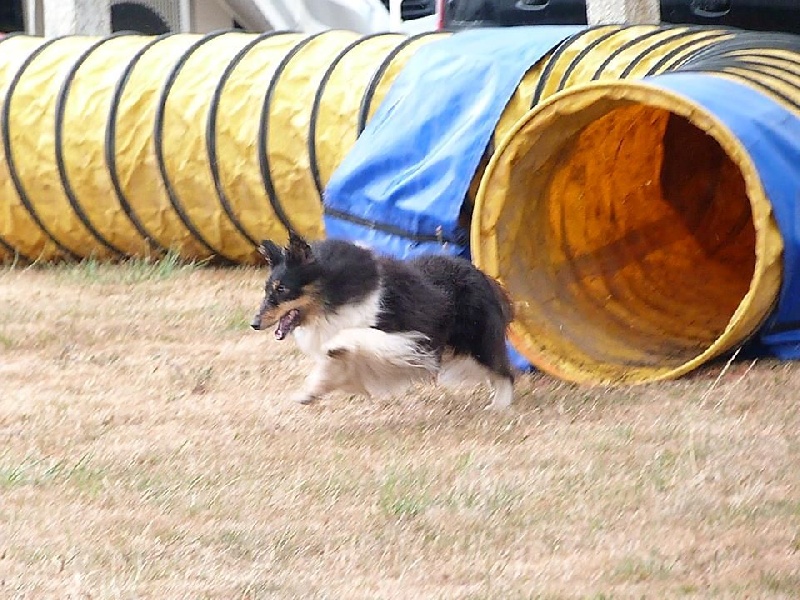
(291, 293)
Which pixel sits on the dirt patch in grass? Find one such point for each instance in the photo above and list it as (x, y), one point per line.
(148, 449)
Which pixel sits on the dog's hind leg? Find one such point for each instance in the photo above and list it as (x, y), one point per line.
(463, 370)
(503, 392)
(501, 377)
(492, 353)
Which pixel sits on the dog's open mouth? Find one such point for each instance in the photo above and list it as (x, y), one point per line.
(287, 323)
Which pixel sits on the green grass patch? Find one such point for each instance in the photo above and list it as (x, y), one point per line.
(80, 474)
(7, 342)
(787, 584)
(637, 569)
(134, 270)
(404, 493)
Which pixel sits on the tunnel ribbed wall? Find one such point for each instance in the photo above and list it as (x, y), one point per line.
(202, 144)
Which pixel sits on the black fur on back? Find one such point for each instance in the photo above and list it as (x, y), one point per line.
(480, 309)
(411, 302)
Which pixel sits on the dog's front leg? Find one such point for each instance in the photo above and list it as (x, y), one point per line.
(320, 381)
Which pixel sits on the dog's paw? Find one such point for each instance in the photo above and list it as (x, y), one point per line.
(502, 396)
(304, 398)
(499, 403)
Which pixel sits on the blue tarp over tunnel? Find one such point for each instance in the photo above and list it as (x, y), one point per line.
(402, 185)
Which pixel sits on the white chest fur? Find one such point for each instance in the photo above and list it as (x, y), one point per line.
(312, 337)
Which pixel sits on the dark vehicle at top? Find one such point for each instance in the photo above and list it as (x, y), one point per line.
(11, 16)
(758, 15)
(414, 9)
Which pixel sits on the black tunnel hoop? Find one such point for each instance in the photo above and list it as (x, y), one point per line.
(564, 46)
(784, 63)
(629, 44)
(61, 104)
(377, 77)
(6, 134)
(556, 54)
(312, 131)
(662, 62)
(211, 131)
(111, 145)
(562, 82)
(10, 249)
(676, 33)
(158, 139)
(749, 40)
(706, 37)
(786, 76)
(756, 65)
(263, 131)
(719, 58)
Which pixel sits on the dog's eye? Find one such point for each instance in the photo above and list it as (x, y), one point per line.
(280, 289)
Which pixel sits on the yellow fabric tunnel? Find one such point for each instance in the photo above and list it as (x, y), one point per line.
(641, 227)
(133, 145)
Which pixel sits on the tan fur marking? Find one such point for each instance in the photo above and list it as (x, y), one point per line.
(309, 305)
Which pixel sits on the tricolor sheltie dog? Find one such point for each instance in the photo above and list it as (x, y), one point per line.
(375, 324)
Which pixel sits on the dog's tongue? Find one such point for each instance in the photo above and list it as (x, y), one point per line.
(286, 324)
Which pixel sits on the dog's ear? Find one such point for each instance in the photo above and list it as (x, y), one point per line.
(298, 251)
(271, 252)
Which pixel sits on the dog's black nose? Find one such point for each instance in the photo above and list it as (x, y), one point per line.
(256, 324)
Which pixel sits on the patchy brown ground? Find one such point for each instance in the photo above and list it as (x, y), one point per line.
(148, 450)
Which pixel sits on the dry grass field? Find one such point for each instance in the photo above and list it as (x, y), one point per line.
(148, 449)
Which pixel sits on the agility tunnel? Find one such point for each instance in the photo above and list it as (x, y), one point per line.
(645, 227)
